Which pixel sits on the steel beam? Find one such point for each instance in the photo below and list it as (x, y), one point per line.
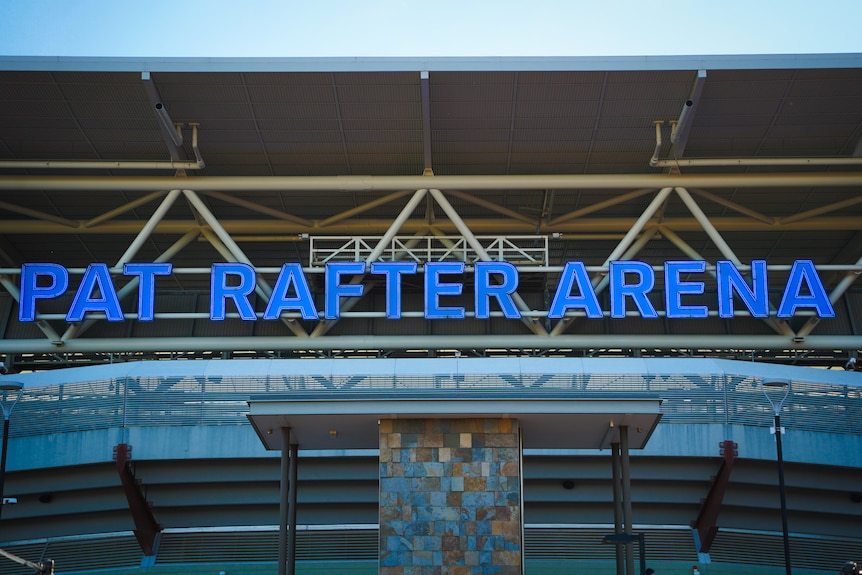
(425, 91)
(127, 207)
(690, 252)
(147, 528)
(38, 215)
(235, 251)
(599, 206)
(779, 326)
(77, 329)
(679, 139)
(833, 207)
(624, 244)
(255, 207)
(733, 206)
(492, 206)
(450, 341)
(743, 162)
(43, 325)
(601, 280)
(381, 246)
(479, 226)
(707, 518)
(305, 184)
(848, 280)
(465, 231)
(361, 209)
(148, 228)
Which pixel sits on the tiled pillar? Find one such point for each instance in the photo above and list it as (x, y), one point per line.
(450, 497)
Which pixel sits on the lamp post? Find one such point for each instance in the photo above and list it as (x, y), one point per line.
(10, 393)
(776, 392)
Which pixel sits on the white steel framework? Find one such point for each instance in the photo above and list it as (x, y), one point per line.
(226, 234)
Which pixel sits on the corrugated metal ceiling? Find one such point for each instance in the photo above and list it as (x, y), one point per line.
(501, 118)
(482, 122)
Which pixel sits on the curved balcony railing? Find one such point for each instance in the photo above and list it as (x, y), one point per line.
(140, 400)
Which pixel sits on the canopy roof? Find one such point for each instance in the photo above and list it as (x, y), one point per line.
(562, 150)
(547, 424)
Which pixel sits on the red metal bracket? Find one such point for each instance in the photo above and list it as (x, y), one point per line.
(146, 526)
(708, 516)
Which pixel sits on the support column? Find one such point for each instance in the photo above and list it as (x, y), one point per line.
(291, 514)
(450, 496)
(287, 505)
(627, 497)
(618, 505)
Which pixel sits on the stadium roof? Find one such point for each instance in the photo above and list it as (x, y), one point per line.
(278, 151)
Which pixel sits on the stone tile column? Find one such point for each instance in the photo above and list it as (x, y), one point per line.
(450, 497)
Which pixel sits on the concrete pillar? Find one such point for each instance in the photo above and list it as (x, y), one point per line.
(450, 496)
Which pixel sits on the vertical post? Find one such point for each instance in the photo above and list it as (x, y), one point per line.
(781, 492)
(618, 505)
(627, 497)
(8, 389)
(283, 501)
(3, 460)
(642, 552)
(777, 392)
(291, 514)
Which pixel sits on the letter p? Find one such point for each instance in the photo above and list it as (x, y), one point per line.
(58, 278)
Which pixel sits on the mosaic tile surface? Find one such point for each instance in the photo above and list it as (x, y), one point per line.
(450, 497)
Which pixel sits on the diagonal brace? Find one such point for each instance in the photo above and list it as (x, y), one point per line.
(455, 218)
(146, 527)
(708, 516)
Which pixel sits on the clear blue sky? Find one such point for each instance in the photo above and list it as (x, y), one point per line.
(326, 28)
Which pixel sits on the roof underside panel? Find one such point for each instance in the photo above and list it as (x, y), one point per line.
(489, 119)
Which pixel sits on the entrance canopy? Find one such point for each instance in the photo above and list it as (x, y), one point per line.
(546, 423)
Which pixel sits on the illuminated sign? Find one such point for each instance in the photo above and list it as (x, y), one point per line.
(630, 284)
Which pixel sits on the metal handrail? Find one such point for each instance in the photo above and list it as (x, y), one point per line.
(132, 401)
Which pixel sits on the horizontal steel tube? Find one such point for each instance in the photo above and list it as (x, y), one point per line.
(399, 183)
(378, 314)
(100, 165)
(717, 162)
(857, 268)
(528, 341)
(476, 225)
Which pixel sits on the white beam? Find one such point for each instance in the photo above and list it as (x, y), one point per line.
(449, 341)
(234, 250)
(397, 183)
(465, 231)
(778, 325)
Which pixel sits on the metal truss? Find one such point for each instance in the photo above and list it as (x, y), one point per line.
(517, 250)
(508, 235)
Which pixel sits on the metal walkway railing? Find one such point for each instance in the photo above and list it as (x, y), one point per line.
(147, 401)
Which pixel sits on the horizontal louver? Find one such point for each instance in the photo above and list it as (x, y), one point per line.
(768, 550)
(262, 546)
(77, 555)
(586, 544)
(561, 543)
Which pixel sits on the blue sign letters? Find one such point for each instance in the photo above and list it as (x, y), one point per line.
(631, 290)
